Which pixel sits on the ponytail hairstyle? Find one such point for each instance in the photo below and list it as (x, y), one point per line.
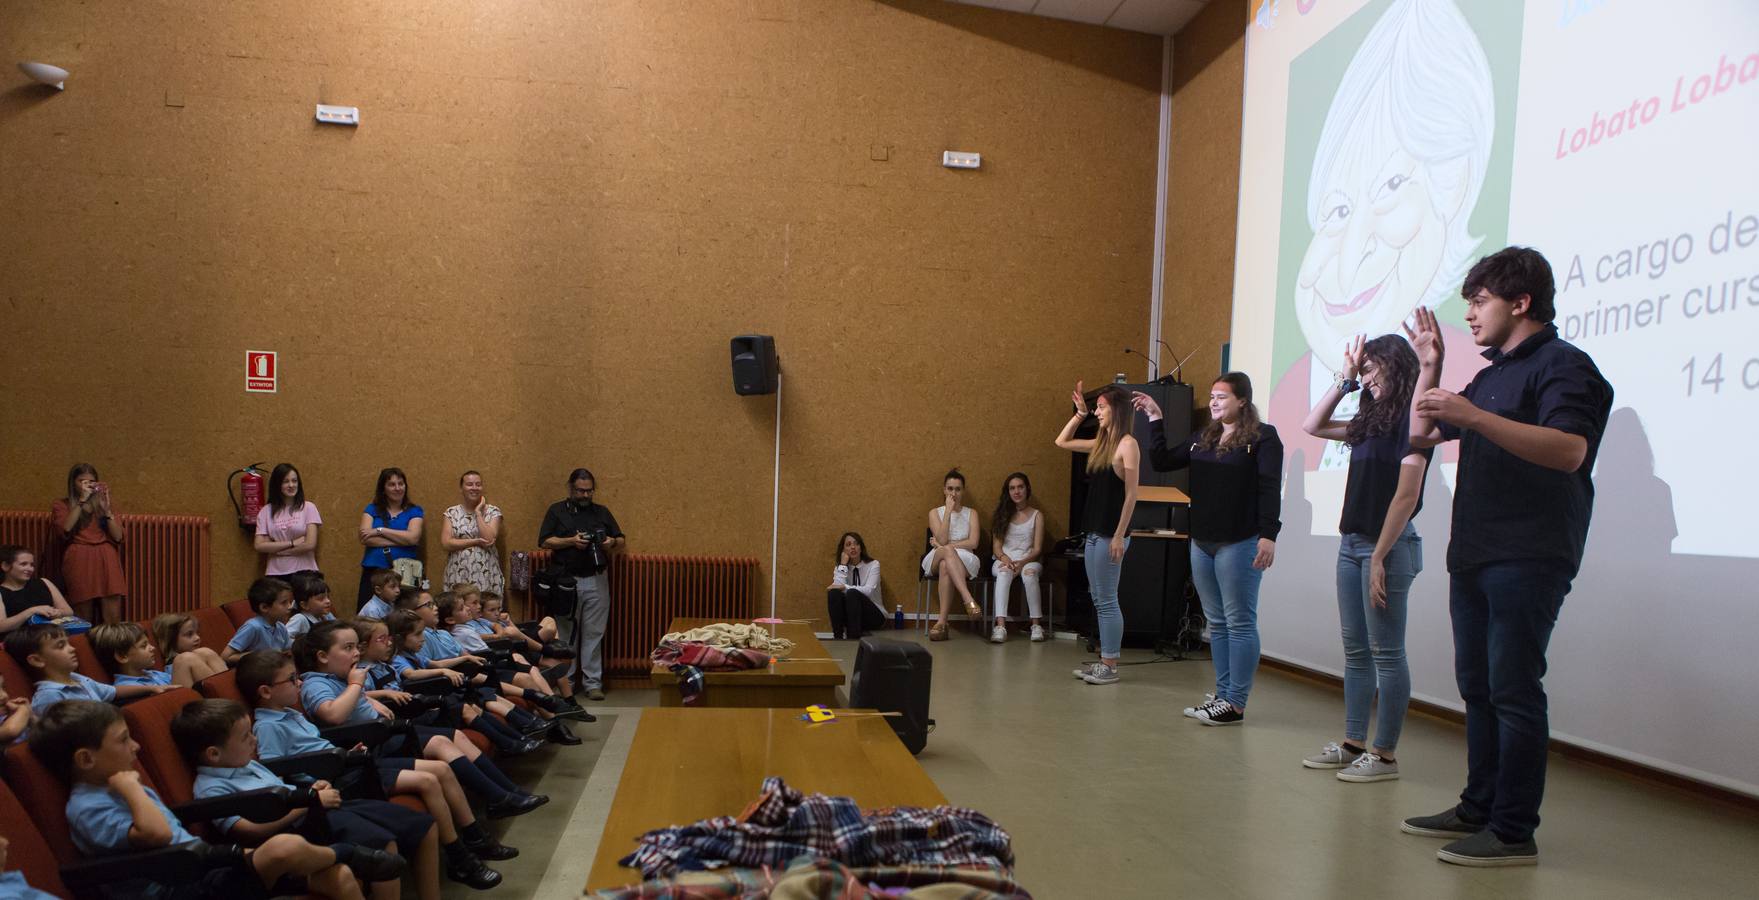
(1105, 445)
(1383, 412)
(1246, 430)
(1005, 508)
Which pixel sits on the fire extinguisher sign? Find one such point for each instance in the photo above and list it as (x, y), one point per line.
(260, 372)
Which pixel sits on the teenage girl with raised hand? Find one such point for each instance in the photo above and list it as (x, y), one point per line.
(1114, 463)
(1236, 464)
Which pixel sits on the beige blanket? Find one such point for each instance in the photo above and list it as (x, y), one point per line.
(723, 634)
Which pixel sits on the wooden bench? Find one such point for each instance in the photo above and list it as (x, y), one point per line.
(782, 685)
(691, 764)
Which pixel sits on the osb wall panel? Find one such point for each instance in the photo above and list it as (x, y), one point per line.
(1203, 186)
(532, 253)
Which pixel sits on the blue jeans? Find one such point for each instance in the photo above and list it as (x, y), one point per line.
(1102, 582)
(1503, 616)
(1228, 586)
(1374, 638)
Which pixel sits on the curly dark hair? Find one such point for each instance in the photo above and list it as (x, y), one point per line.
(1382, 412)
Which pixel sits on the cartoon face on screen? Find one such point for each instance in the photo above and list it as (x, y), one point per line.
(1397, 172)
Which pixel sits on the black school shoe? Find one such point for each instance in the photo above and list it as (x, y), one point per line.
(1486, 850)
(487, 848)
(469, 871)
(516, 805)
(558, 650)
(371, 865)
(559, 734)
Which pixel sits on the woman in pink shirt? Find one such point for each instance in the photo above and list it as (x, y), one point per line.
(287, 528)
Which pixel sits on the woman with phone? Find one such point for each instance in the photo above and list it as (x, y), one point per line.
(92, 564)
(853, 597)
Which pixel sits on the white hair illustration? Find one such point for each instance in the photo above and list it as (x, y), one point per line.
(1419, 82)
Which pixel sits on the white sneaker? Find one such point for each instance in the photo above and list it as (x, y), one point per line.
(1331, 756)
(1369, 767)
(998, 635)
(1038, 632)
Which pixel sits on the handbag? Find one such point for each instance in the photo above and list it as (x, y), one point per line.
(408, 571)
(554, 590)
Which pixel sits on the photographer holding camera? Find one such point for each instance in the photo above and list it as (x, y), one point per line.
(582, 535)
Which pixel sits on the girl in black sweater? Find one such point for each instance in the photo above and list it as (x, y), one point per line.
(1236, 466)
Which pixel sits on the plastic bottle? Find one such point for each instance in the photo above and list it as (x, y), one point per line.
(898, 618)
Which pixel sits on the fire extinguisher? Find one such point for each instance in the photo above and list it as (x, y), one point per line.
(247, 501)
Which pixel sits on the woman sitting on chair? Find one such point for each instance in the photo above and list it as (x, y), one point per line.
(1017, 538)
(951, 556)
(853, 598)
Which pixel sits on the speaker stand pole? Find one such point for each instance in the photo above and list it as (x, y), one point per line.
(776, 502)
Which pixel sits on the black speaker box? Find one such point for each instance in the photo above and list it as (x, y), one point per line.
(754, 364)
(893, 676)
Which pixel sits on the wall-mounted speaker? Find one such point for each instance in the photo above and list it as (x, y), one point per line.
(754, 364)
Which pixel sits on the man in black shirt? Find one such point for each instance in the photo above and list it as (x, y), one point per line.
(582, 535)
(1529, 426)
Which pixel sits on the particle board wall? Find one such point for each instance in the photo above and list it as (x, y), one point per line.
(532, 252)
(1203, 185)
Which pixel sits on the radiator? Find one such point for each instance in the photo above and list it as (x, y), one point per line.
(167, 559)
(648, 591)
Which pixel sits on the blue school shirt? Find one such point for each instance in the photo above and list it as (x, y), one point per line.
(321, 687)
(468, 639)
(382, 676)
(439, 645)
(99, 820)
(214, 781)
(403, 662)
(14, 887)
(152, 677)
(481, 626)
(380, 557)
(300, 623)
(284, 732)
(260, 634)
(375, 609)
(49, 693)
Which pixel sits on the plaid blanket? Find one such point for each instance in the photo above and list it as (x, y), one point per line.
(812, 879)
(784, 824)
(708, 657)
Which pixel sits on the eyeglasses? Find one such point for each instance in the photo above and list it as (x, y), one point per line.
(424, 605)
(291, 679)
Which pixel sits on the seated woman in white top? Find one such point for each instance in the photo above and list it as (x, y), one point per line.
(854, 595)
(952, 545)
(1017, 535)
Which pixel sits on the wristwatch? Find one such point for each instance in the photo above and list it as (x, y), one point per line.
(1349, 385)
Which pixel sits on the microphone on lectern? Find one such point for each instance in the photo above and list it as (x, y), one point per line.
(1154, 366)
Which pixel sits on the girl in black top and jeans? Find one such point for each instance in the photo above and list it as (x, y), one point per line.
(1236, 466)
(1379, 553)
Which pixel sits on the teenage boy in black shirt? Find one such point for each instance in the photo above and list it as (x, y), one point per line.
(1529, 426)
(582, 534)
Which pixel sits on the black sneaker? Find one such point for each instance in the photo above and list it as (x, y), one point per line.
(1446, 824)
(1485, 850)
(1220, 712)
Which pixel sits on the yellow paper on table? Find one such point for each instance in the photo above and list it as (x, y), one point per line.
(816, 713)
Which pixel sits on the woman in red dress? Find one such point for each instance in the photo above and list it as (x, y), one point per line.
(91, 568)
